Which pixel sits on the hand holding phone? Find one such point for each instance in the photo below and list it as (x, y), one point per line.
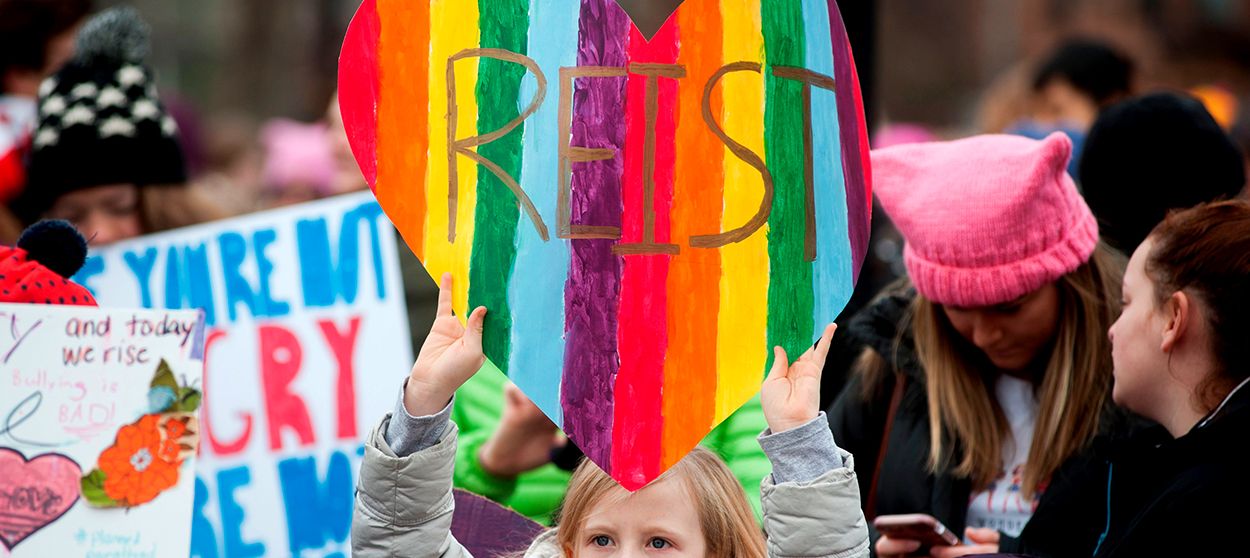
(921, 528)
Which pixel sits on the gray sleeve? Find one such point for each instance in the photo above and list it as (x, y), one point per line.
(802, 454)
(407, 434)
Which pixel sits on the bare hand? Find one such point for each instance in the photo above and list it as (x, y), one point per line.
(891, 548)
(523, 441)
(791, 393)
(450, 356)
(984, 541)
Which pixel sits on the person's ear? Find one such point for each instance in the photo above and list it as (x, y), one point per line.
(1178, 313)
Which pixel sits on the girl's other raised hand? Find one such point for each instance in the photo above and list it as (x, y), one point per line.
(451, 354)
(791, 393)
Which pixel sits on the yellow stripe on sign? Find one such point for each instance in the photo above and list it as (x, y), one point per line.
(453, 28)
(741, 345)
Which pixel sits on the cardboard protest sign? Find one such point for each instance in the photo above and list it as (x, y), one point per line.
(307, 346)
(487, 529)
(645, 217)
(99, 433)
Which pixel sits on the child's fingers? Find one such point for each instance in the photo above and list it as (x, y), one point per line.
(473, 333)
(807, 355)
(826, 339)
(780, 364)
(444, 296)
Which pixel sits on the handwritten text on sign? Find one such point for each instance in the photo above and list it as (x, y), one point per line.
(73, 377)
(308, 341)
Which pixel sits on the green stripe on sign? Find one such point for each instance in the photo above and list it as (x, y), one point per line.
(504, 25)
(790, 274)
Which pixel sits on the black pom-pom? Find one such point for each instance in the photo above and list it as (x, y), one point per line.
(56, 244)
(117, 35)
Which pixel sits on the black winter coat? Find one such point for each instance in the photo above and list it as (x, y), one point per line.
(1185, 496)
(1068, 519)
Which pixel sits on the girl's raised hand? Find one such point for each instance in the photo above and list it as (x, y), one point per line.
(791, 393)
(450, 356)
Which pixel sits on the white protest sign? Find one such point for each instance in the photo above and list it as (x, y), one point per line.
(307, 346)
(98, 430)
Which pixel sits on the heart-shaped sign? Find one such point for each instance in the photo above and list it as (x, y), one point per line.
(34, 493)
(643, 218)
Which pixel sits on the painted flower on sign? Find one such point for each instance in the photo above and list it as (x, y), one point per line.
(148, 453)
(143, 463)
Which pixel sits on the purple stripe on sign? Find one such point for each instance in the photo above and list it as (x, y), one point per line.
(852, 150)
(197, 342)
(594, 285)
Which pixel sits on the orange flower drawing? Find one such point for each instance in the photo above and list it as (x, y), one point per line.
(143, 462)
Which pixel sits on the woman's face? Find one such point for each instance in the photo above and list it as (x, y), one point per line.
(1013, 334)
(660, 520)
(1061, 103)
(1137, 339)
(104, 214)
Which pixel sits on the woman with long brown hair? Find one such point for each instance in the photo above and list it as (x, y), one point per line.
(989, 372)
(1182, 359)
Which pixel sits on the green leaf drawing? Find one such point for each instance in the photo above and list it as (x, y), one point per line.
(188, 400)
(164, 376)
(93, 491)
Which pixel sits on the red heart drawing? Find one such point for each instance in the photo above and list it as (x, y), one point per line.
(34, 493)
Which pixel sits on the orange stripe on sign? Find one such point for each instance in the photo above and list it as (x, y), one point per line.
(403, 108)
(694, 276)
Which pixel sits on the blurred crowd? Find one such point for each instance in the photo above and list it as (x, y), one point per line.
(73, 100)
(86, 136)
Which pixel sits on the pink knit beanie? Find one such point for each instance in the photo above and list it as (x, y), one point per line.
(297, 153)
(987, 219)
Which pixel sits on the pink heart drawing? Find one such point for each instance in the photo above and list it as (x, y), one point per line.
(34, 493)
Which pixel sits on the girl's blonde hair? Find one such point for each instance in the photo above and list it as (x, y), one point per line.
(1073, 392)
(728, 524)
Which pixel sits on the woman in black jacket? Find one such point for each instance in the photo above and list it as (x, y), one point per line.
(1182, 358)
(978, 396)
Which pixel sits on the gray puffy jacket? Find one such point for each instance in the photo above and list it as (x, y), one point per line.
(404, 508)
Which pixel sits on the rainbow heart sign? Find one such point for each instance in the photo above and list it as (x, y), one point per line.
(643, 217)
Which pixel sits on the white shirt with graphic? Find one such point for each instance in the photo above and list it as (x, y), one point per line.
(1001, 506)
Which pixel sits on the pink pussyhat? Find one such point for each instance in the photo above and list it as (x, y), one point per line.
(987, 219)
(297, 153)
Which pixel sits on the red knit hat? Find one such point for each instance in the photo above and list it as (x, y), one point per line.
(36, 271)
(987, 219)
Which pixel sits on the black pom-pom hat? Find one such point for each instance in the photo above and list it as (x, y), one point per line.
(100, 120)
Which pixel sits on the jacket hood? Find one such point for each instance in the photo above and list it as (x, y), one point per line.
(545, 546)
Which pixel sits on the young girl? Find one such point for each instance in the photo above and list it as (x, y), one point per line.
(976, 386)
(697, 508)
(1182, 358)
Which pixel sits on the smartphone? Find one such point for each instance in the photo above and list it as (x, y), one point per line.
(917, 527)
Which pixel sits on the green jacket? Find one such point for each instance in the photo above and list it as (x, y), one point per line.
(538, 493)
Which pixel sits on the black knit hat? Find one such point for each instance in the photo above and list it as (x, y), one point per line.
(100, 120)
(1149, 155)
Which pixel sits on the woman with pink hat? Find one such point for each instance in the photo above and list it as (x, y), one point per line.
(984, 384)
